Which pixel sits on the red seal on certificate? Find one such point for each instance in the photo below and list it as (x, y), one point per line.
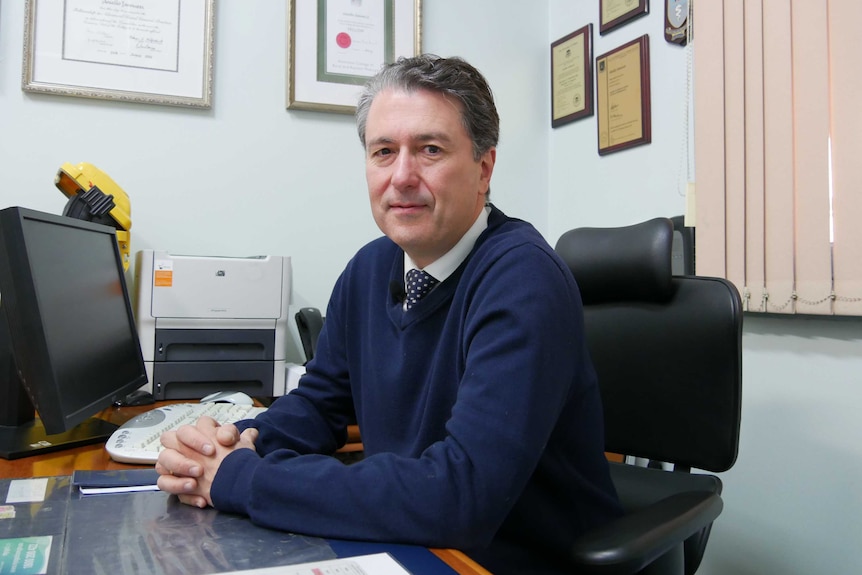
(343, 40)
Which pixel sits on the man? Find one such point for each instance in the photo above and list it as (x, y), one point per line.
(478, 405)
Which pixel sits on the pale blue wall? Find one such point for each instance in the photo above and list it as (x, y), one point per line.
(250, 177)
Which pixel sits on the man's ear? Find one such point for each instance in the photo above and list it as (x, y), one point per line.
(486, 165)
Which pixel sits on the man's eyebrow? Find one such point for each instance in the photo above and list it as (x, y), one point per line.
(429, 137)
(379, 141)
(439, 136)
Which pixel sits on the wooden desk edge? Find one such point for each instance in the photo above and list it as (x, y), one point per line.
(458, 561)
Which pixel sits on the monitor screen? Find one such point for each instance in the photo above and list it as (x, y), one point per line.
(67, 333)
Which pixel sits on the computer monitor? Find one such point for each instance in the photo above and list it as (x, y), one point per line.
(68, 343)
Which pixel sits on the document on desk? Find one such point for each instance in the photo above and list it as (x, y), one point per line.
(376, 564)
(27, 490)
(25, 555)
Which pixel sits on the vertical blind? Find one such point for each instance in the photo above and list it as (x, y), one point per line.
(778, 151)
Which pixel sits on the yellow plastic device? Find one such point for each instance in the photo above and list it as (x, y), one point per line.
(94, 196)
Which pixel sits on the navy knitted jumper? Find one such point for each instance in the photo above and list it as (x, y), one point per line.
(478, 408)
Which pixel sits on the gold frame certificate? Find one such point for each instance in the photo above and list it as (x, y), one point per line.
(613, 13)
(623, 96)
(572, 77)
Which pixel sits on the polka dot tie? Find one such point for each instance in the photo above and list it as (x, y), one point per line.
(419, 283)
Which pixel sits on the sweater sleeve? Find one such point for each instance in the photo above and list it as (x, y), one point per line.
(521, 359)
(312, 418)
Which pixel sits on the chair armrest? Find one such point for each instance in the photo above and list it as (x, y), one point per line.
(635, 540)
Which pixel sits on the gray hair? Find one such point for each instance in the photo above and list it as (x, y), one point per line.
(452, 77)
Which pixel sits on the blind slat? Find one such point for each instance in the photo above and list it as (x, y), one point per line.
(709, 141)
(734, 131)
(813, 252)
(846, 81)
(778, 154)
(755, 264)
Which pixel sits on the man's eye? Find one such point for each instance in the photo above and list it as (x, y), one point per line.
(383, 152)
(432, 149)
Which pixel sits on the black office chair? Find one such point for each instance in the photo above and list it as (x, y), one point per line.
(668, 353)
(682, 255)
(309, 322)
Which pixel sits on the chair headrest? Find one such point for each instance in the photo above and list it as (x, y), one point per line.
(630, 263)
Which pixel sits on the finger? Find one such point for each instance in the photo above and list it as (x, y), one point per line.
(192, 437)
(228, 435)
(206, 423)
(176, 485)
(194, 501)
(248, 437)
(172, 462)
(169, 439)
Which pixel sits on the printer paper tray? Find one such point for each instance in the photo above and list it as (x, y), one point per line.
(196, 379)
(189, 345)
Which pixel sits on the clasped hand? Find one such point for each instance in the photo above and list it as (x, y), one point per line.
(192, 455)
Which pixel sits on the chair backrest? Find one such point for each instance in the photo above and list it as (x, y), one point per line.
(667, 349)
(309, 322)
(683, 248)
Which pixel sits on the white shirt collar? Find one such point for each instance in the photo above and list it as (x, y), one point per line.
(445, 265)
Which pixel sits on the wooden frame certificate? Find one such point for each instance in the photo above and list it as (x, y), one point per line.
(613, 13)
(572, 77)
(623, 96)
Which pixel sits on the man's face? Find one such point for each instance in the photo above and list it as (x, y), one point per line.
(426, 189)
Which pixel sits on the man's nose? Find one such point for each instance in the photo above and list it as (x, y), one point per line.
(405, 171)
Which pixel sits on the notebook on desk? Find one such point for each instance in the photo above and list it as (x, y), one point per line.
(100, 482)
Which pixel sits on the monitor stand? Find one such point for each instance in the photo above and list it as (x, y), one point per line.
(30, 438)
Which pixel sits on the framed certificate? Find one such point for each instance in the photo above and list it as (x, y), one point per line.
(613, 13)
(335, 46)
(572, 77)
(128, 51)
(623, 96)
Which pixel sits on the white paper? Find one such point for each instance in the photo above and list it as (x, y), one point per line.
(378, 564)
(123, 489)
(355, 37)
(140, 33)
(27, 490)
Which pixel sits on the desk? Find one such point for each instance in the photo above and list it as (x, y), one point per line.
(63, 463)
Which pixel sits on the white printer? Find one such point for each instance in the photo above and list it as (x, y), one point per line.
(209, 324)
